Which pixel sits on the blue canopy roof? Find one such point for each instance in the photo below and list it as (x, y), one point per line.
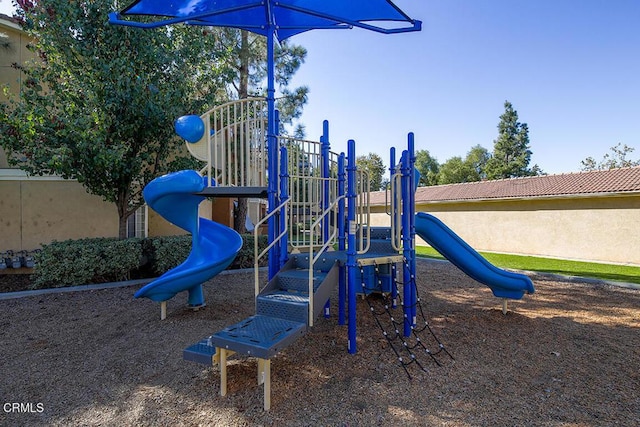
(285, 17)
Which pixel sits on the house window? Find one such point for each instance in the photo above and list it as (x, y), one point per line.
(137, 223)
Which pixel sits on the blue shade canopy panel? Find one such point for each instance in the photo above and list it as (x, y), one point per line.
(285, 18)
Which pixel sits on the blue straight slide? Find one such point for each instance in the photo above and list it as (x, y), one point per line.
(503, 284)
(214, 246)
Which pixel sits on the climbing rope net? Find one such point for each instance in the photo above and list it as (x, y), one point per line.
(419, 345)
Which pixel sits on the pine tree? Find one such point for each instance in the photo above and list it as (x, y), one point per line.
(511, 154)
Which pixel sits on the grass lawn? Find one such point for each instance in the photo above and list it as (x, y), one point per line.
(623, 273)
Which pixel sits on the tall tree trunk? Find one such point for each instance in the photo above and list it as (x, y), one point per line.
(240, 210)
(121, 204)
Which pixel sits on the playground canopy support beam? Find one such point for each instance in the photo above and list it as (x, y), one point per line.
(351, 244)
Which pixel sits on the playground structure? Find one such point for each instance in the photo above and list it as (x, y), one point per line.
(319, 235)
(318, 225)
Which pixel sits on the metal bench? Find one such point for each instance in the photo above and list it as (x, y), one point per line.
(257, 336)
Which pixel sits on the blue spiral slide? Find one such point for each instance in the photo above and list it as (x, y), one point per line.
(214, 246)
(503, 283)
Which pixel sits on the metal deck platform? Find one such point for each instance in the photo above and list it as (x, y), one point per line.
(258, 336)
(259, 192)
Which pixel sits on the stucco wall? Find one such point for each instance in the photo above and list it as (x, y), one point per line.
(15, 52)
(37, 211)
(604, 229)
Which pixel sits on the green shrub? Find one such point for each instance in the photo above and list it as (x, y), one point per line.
(245, 257)
(171, 251)
(168, 252)
(78, 262)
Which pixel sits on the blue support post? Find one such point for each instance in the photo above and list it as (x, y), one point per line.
(272, 150)
(325, 191)
(408, 294)
(351, 243)
(342, 290)
(326, 146)
(411, 217)
(284, 195)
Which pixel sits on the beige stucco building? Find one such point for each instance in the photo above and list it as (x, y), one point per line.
(36, 210)
(593, 216)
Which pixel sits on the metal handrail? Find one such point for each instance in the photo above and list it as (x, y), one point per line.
(312, 258)
(258, 256)
(364, 212)
(396, 212)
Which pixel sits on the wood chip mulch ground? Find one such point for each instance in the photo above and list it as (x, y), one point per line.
(568, 355)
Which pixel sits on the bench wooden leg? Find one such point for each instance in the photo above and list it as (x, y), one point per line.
(163, 310)
(264, 377)
(223, 370)
(264, 374)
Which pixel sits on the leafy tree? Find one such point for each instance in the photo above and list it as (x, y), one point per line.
(247, 69)
(428, 167)
(456, 170)
(246, 65)
(374, 166)
(511, 154)
(616, 159)
(99, 106)
(469, 169)
(477, 158)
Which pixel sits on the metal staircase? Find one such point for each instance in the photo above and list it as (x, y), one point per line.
(282, 316)
(306, 222)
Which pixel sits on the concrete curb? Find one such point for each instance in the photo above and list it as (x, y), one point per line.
(559, 277)
(551, 276)
(99, 286)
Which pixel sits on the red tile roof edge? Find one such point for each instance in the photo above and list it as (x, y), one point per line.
(601, 182)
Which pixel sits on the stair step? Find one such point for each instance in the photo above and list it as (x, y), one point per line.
(381, 246)
(324, 263)
(380, 233)
(258, 336)
(292, 306)
(200, 352)
(298, 279)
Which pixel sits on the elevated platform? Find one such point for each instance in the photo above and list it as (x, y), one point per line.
(257, 192)
(258, 336)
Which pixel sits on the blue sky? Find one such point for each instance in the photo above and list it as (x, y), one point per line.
(571, 68)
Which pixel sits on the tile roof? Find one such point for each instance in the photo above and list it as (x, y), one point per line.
(613, 181)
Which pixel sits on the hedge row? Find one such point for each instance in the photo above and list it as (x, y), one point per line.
(100, 260)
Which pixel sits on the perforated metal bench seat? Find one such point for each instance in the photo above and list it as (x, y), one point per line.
(202, 352)
(258, 336)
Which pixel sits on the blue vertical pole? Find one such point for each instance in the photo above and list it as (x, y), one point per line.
(351, 243)
(325, 174)
(406, 243)
(394, 208)
(284, 195)
(325, 191)
(411, 219)
(342, 290)
(272, 148)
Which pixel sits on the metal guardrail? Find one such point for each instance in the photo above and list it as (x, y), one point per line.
(258, 256)
(328, 243)
(396, 212)
(234, 143)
